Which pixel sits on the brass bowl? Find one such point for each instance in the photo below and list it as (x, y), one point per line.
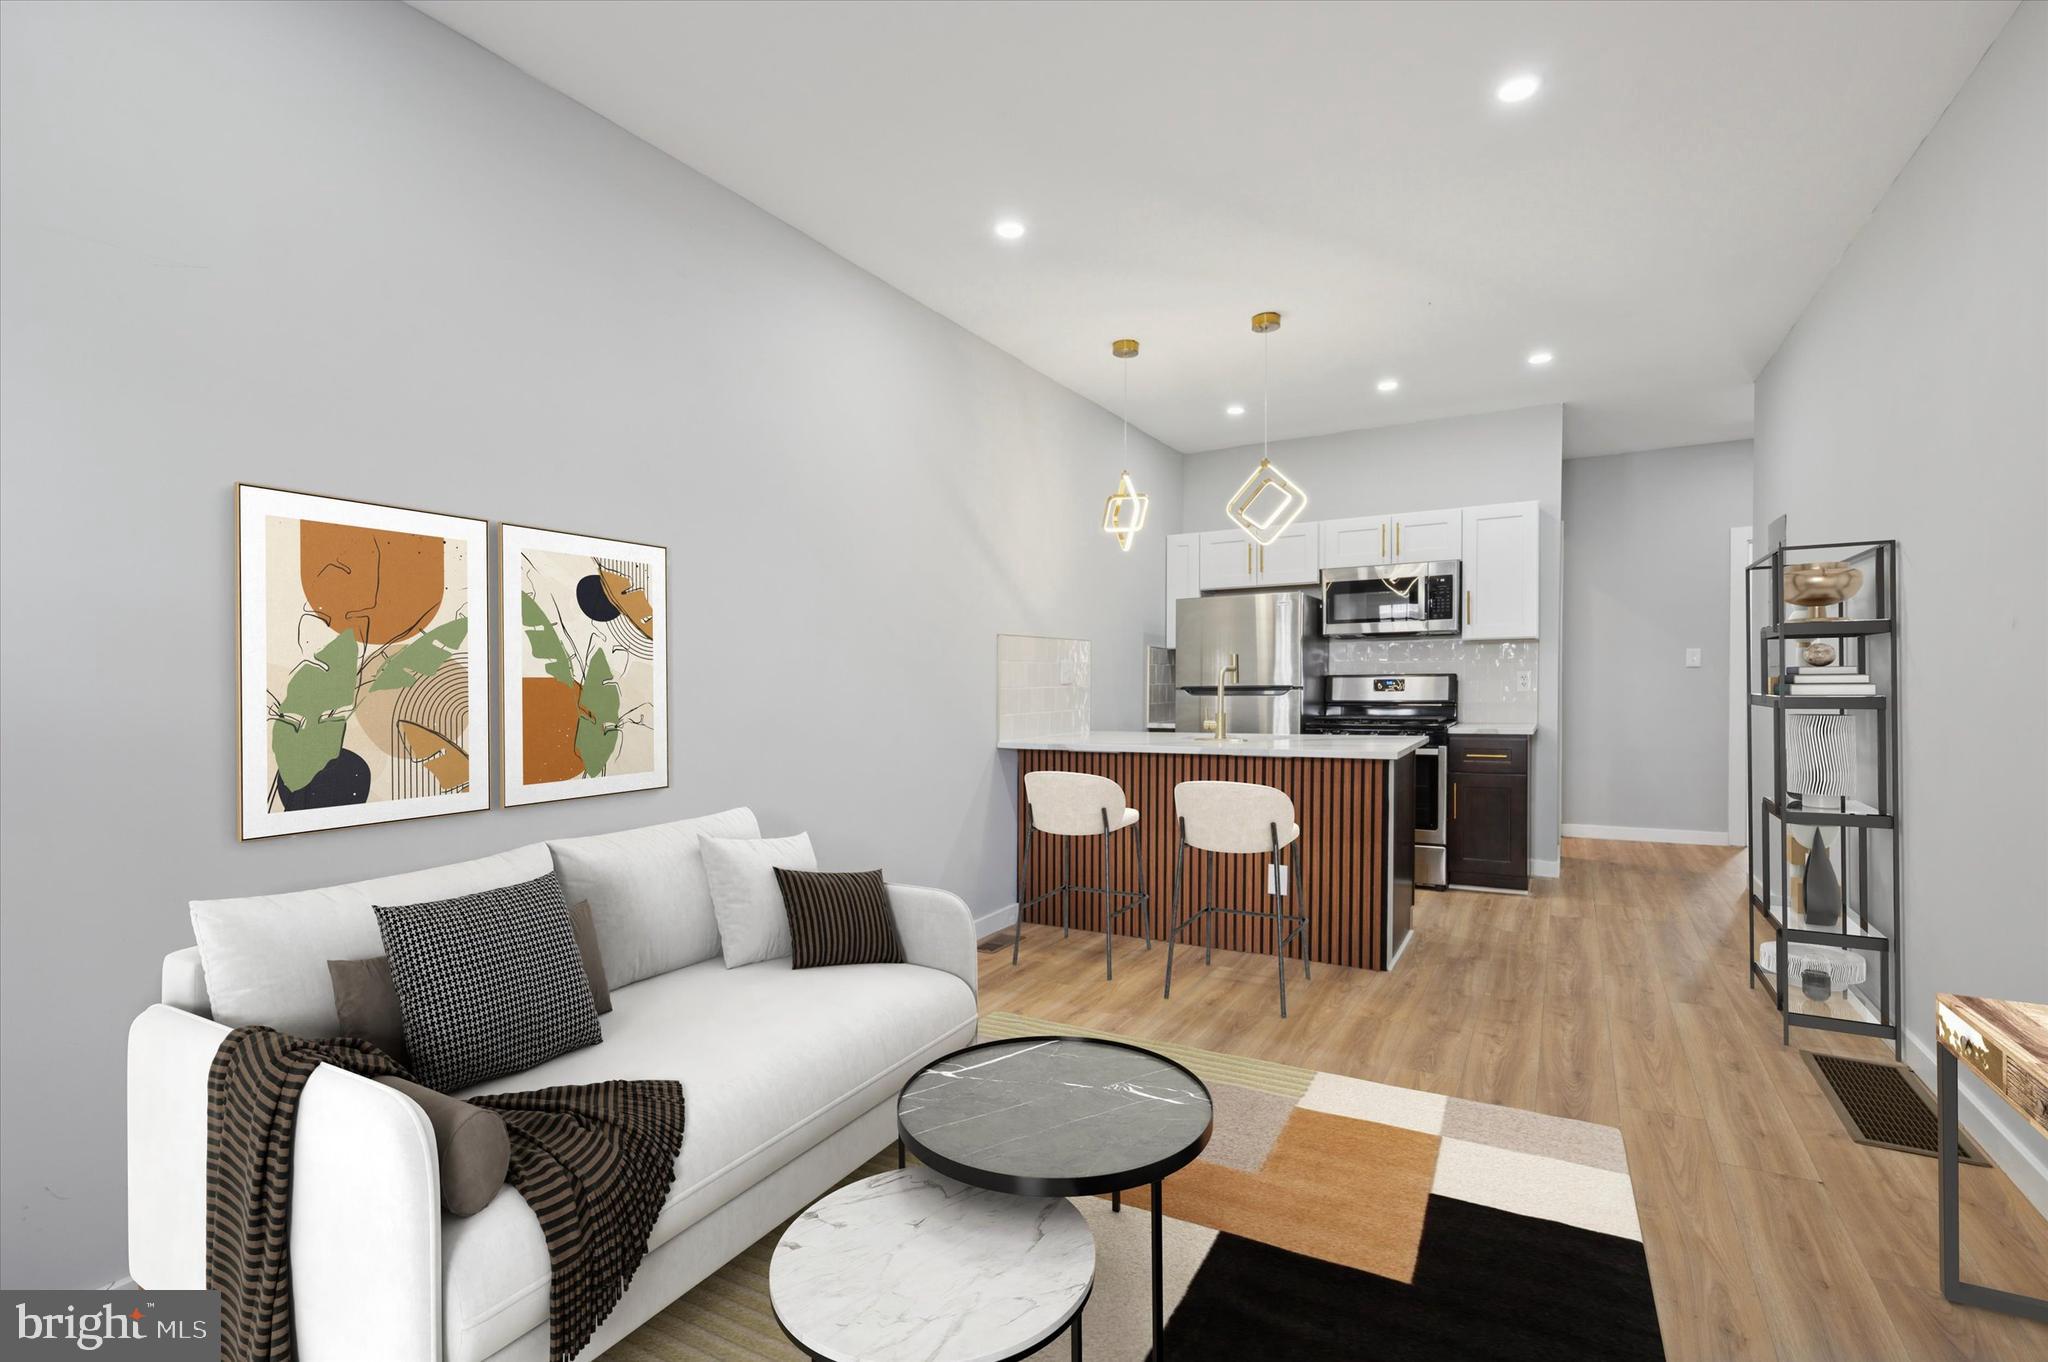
(1820, 585)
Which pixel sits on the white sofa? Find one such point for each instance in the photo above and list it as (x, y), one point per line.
(789, 1079)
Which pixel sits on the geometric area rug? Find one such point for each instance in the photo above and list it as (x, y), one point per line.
(1328, 1218)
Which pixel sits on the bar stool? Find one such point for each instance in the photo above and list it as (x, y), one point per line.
(1070, 804)
(1230, 818)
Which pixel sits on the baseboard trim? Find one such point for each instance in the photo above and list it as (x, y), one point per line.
(2000, 1132)
(1599, 832)
(1545, 870)
(994, 920)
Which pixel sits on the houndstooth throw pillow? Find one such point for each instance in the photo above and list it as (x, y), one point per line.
(488, 983)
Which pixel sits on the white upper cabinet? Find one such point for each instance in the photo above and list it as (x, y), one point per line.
(1183, 575)
(1229, 560)
(1293, 558)
(1360, 541)
(1500, 551)
(1427, 536)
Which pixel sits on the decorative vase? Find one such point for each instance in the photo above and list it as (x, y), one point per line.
(1820, 585)
(1822, 888)
(1817, 654)
(1816, 983)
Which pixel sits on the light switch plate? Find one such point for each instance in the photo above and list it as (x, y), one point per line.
(1692, 657)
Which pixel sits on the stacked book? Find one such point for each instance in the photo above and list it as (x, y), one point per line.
(1818, 681)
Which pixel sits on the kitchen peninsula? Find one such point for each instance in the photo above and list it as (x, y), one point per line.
(1354, 798)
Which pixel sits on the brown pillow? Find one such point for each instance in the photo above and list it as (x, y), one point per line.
(838, 918)
(367, 1002)
(471, 1143)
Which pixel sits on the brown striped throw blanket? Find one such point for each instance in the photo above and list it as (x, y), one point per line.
(593, 1161)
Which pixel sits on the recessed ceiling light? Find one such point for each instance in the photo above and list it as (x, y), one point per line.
(1234, 409)
(1539, 358)
(1515, 89)
(1388, 385)
(1009, 229)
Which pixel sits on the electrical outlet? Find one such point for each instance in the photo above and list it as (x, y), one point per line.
(1276, 880)
(1692, 657)
(1525, 681)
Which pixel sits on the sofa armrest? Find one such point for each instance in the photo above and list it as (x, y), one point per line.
(169, 1052)
(937, 931)
(366, 1196)
(366, 1223)
(184, 982)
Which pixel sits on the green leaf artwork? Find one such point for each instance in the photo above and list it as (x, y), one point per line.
(597, 728)
(544, 641)
(422, 657)
(306, 734)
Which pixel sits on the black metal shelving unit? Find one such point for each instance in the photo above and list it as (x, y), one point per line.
(1863, 642)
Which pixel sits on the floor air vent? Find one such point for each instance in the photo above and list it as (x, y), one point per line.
(1884, 1105)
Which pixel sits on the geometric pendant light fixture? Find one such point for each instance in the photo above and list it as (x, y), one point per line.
(1123, 514)
(1268, 502)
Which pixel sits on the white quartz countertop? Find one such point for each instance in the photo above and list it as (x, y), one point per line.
(1494, 730)
(1250, 745)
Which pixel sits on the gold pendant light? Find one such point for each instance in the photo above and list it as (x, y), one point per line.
(1123, 514)
(1268, 502)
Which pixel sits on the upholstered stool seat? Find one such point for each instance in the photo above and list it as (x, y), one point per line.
(1233, 818)
(1067, 805)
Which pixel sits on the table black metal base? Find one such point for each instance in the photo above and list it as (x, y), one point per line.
(1952, 1284)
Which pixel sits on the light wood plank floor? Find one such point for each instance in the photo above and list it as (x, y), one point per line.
(1617, 994)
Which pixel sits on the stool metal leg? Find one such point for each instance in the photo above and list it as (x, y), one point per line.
(1279, 932)
(1023, 882)
(1209, 918)
(1108, 904)
(1145, 905)
(1066, 882)
(1300, 906)
(1180, 861)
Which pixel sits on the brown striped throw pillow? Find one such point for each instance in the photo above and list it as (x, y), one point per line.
(838, 918)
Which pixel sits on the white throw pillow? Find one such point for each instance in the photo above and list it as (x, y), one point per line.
(266, 956)
(752, 925)
(645, 886)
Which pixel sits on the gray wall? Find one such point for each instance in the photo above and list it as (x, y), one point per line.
(1646, 576)
(1908, 402)
(340, 249)
(1468, 461)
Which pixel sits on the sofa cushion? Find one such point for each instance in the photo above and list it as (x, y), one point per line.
(647, 892)
(266, 956)
(771, 1061)
(489, 983)
(839, 918)
(741, 872)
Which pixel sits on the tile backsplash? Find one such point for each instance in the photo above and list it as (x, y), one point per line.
(1041, 687)
(1488, 673)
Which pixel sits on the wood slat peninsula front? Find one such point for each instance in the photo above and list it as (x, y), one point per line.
(1357, 818)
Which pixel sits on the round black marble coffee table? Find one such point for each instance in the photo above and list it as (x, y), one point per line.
(1060, 1116)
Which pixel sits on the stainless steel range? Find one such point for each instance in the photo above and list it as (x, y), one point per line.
(1424, 705)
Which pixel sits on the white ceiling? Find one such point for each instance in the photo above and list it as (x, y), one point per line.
(1657, 215)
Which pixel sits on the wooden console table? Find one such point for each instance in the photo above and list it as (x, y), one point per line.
(2006, 1045)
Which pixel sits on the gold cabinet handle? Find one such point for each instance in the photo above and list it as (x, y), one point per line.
(1454, 799)
(1383, 539)
(1397, 539)
(1262, 558)
(1247, 557)
(1468, 605)
(1487, 756)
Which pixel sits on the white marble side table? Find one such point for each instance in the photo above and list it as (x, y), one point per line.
(911, 1266)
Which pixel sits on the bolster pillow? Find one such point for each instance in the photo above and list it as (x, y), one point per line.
(474, 1151)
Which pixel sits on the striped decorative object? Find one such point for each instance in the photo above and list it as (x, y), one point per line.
(1823, 756)
(1341, 805)
(838, 918)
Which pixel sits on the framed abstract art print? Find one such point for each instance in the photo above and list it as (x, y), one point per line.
(363, 669)
(585, 670)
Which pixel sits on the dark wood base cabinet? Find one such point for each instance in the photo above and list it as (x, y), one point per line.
(1488, 838)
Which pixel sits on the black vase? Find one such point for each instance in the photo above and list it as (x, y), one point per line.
(1823, 891)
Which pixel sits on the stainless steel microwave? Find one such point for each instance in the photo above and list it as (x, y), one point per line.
(1391, 598)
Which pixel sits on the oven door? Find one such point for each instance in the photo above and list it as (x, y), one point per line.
(1410, 598)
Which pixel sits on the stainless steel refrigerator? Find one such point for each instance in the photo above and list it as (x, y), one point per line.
(1276, 639)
